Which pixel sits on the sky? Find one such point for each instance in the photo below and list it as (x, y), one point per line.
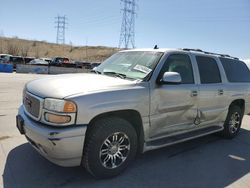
(221, 26)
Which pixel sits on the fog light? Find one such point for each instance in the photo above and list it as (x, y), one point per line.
(59, 119)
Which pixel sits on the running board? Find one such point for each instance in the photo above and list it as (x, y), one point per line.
(162, 142)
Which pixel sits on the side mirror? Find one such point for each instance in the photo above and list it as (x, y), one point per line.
(171, 78)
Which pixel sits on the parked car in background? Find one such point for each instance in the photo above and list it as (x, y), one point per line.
(83, 64)
(5, 57)
(93, 65)
(60, 62)
(28, 59)
(46, 59)
(1, 60)
(16, 60)
(38, 62)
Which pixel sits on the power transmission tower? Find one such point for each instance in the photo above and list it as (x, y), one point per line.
(61, 26)
(127, 35)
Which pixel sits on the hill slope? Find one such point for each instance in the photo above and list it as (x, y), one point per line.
(41, 49)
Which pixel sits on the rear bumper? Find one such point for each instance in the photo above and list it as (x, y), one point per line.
(60, 145)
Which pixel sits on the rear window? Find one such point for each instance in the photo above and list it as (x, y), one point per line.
(236, 71)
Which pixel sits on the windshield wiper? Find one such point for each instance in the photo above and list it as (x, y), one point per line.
(120, 75)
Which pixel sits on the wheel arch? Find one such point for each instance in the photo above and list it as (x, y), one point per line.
(240, 103)
(132, 116)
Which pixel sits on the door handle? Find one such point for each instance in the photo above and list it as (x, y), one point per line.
(220, 92)
(194, 93)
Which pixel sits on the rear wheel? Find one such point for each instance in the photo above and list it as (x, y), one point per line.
(233, 122)
(111, 144)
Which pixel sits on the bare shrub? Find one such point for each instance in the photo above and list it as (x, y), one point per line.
(34, 43)
(1, 47)
(46, 53)
(37, 52)
(13, 48)
(24, 50)
(22, 47)
(71, 47)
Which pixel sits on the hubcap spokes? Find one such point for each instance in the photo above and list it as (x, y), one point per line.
(114, 150)
(234, 122)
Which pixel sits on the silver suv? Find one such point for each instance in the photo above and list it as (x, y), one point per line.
(135, 101)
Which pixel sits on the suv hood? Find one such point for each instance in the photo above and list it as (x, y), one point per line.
(61, 86)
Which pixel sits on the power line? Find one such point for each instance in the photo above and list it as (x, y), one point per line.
(61, 26)
(127, 34)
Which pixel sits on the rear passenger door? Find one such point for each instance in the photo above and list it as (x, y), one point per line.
(212, 101)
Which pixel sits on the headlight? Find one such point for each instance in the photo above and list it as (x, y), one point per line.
(59, 112)
(59, 105)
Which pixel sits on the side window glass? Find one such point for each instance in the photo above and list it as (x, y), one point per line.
(180, 63)
(236, 71)
(209, 71)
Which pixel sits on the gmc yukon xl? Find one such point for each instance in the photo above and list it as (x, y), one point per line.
(135, 101)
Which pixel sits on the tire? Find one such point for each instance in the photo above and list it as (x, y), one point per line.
(233, 122)
(117, 139)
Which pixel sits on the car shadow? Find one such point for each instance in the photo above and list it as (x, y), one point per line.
(209, 161)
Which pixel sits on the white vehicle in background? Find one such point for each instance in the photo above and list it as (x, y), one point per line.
(46, 59)
(37, 62)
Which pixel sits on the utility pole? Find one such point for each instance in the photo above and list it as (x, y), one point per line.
(61, 26)
(127, 34)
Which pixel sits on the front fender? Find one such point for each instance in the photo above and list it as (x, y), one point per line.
(92, 104)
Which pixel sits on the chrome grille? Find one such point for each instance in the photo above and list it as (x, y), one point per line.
(32, 105)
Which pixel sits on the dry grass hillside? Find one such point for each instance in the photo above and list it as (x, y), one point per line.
(41, 49)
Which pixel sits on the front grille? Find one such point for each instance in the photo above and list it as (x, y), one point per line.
(31, 104)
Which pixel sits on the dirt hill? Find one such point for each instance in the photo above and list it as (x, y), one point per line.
(41, 49)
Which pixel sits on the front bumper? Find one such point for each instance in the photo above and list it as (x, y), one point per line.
(60, 145)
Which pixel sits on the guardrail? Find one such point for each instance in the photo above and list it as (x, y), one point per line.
(37, 69)
(40, 69)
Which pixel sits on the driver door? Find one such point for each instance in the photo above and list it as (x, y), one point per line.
(174, 106)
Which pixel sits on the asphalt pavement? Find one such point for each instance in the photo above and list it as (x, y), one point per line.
(210, 161)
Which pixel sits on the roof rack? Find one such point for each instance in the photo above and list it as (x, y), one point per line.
(191, 49)
(211, 53)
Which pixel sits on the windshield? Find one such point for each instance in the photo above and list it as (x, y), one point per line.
(131, 65)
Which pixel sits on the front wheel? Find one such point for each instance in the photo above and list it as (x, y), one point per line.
(233, 122)
(111, 144)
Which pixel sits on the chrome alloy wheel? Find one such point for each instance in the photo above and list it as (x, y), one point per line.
(114, 150)
(234, 122)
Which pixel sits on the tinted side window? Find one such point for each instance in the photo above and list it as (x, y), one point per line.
(209, 71)
(236, 71)
(180, 63)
